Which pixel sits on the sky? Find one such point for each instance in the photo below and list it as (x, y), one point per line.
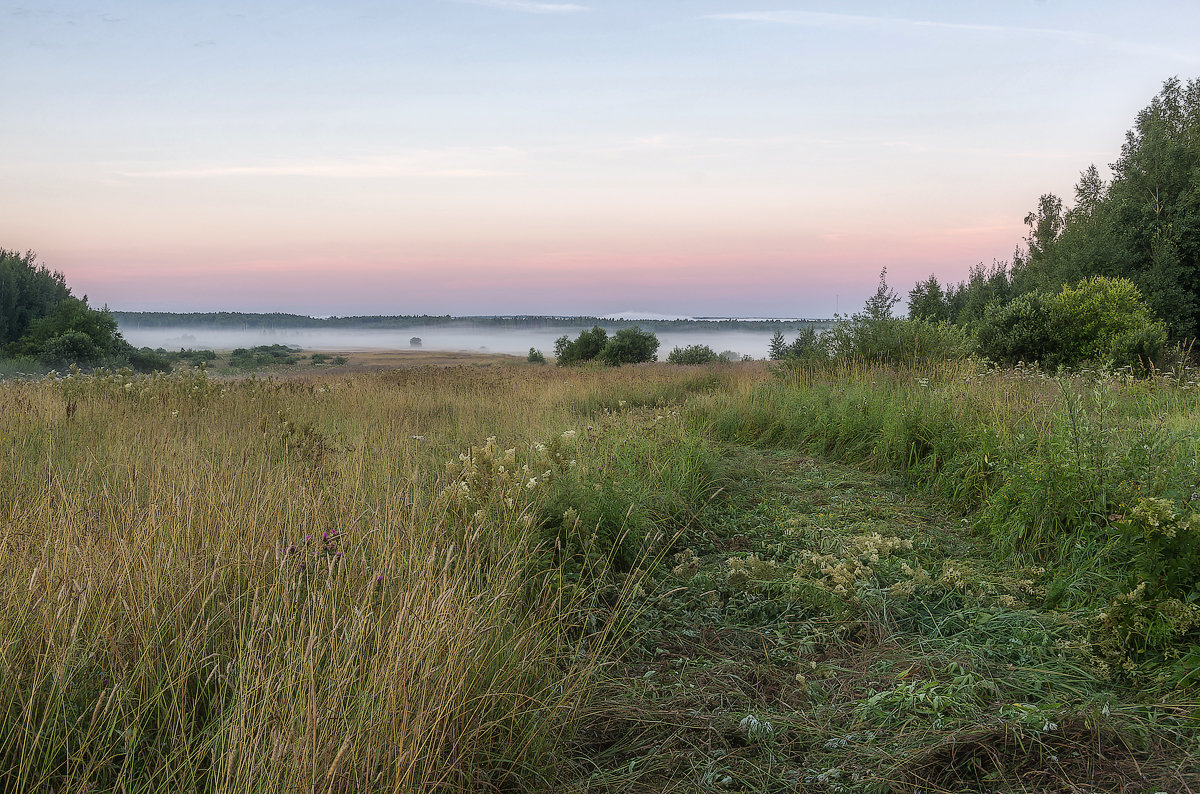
(670, 157)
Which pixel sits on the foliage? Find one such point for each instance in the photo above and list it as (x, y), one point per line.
(72, 334)
(414, 342)
(894, 341)
(927, 301)
(1143, 227)
(1103, 318)
(584, 348)
(777, 348)
(1017, 331)
(535, 356)
(40, 320)
(879, 306)
(264, 356)
(809, 345)
(629, 346)
(693, 354)
(28, 291)
(145, 359)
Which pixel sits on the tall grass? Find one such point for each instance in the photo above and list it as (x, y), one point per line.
(263, 586)
(1043, 462)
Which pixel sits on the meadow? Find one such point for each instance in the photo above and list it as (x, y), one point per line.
(510, 577)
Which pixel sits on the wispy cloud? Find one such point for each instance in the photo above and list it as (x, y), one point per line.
(415, 165)
(829, 21)
(819, 19)
(529, 7)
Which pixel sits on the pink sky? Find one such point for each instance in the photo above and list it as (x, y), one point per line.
(471, 157)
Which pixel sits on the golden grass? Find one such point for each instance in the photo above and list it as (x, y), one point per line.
(255, 585)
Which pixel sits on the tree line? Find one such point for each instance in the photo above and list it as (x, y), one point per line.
(43, 323)
(1111, 279)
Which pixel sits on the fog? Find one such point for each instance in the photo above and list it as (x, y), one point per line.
(492, 340)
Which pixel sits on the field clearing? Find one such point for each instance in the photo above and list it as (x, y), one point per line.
(372, 360)
(492, 576)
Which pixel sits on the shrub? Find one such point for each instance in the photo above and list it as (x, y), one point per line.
(585, 347)
(692, 354)
(263, 356)
(58, 338)
(896, 342)
(414, 342)
(1103, 320)
(147, 360)
(535, 356)
(1016, 331)
(630, 346)
(69, 347)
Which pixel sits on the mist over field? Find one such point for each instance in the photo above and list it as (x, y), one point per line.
(491, 340)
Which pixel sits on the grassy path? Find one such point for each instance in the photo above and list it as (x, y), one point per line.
(838, 633)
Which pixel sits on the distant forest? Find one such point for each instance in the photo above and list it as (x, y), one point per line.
(248, 321)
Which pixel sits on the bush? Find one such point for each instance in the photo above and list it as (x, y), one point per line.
(630, 346)
(192, 357)
(1016, 331)
(69, 347)
(535, 356)
(57, 338)
(585, 347)
(148, 360)
(1104, 320)
(263, 356)
(692, 354)
(893, 341)
(414, 342)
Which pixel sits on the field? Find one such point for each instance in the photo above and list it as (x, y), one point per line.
(494, 576)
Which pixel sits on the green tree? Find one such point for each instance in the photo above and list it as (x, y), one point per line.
(879, 306)
(693, 354)
(1016, 331)
(1103, 320)
(28, 291)
(73, 321)
(778, 348)
(927, 301)
(584, 348)
(629, 346)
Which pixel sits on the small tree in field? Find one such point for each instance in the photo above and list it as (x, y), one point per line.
(585, 347)
(630, 346)
(778, 348)
(693, 354)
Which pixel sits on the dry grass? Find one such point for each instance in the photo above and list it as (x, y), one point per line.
(255, 586)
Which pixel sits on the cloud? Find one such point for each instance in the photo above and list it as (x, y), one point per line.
(470, 164)
(819, 19)
(529, 7)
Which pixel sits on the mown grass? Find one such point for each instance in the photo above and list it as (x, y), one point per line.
(459, 578)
